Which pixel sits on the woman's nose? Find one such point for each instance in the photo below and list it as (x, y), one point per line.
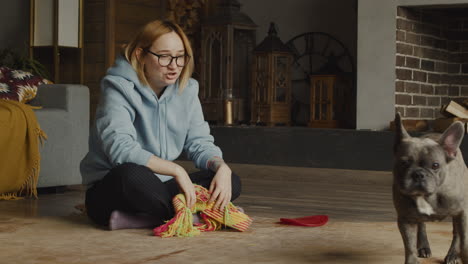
(173, 64)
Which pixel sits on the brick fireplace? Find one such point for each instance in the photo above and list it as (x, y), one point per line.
(431, 59)
(423, 82)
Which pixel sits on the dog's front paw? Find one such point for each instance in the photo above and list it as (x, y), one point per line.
(452, 258)
(424, 252)
(412, 260)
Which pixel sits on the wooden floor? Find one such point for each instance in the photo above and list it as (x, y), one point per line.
(344, 195)
(361, 229)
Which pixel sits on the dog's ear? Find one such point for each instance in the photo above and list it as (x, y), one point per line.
(400, 132)
(452, 138)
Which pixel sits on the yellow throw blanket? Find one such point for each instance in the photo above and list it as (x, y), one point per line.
(20, 135)
(181, 224)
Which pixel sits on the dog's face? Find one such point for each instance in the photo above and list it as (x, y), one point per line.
(421, 164)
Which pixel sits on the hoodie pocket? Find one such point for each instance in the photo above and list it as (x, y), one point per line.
(177, 122)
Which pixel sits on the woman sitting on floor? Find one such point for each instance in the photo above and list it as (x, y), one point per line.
(149, 112)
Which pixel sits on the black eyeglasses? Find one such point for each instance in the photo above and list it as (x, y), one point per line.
(165, 60)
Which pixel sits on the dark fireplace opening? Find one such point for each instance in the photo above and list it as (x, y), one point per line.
(431, 59)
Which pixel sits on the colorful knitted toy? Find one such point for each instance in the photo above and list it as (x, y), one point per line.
(213, 219)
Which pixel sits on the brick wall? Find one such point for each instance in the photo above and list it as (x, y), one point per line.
(431, 60)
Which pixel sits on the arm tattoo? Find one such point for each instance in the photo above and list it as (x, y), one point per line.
(214, 163)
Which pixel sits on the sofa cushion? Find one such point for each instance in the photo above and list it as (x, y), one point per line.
(18, 85)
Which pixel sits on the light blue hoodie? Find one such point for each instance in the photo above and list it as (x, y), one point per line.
(132, 124)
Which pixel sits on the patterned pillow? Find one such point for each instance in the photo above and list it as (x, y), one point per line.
(18, 85)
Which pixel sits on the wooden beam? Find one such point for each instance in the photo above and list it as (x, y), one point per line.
(110, 32)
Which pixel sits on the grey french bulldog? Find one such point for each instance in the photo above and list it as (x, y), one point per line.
(429, 183)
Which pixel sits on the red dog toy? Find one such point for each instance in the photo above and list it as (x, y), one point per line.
(313, 220)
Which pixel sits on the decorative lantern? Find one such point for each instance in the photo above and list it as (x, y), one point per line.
(271, 86)
(228, 39)
(322, 101)
(324, 95)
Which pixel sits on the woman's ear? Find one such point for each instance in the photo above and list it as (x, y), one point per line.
(138, 53)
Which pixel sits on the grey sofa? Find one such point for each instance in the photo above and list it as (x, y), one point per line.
(64, 117)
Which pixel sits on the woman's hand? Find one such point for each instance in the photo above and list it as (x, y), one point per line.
(166, 167)
(186, 186)
(220, 188)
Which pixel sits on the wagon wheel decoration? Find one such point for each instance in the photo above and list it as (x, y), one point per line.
(312, 51)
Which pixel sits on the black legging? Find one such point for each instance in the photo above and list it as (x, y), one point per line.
(134, 189)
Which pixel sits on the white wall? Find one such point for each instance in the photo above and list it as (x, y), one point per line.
(14, 24)
(294, 17)
(376, 59)
(375, 64)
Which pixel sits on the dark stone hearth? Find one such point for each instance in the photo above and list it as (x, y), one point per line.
(309, 147)
(296, 146)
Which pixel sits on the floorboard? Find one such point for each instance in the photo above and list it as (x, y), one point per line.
(361, 228)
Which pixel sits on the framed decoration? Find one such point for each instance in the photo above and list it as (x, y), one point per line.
(318, 53)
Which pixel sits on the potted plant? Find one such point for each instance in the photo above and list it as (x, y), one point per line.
(14, 60)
